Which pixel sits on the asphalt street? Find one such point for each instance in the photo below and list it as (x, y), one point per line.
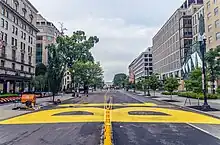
(136, 120)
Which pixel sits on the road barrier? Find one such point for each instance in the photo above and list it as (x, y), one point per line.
(9, 99)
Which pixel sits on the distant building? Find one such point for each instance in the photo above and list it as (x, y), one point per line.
(141, 66)
(108, 84)
(47, 35)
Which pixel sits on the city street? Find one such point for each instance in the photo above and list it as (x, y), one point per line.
(136, 120)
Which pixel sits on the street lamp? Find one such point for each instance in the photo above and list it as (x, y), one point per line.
(202, 45)
(148, 87)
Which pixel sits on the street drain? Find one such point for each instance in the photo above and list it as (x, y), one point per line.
(74, 113)
(147, 113)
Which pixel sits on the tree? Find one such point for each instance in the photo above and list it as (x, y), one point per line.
(77, 47)
(154, 83)
(40, 82)
(194, 83)
(171, 84)
(145, 84)
(213, 65)
(119, 79)
(56, 68)
(41, 69)
(87, 73)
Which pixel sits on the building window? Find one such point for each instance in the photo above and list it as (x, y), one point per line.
(22, 57)
(13, 54)
(214, 1)
(208, 4)
(208, 16)
(16, 4)
(2, 23)
(13, 66)
(6, 25)
(146, 55)
(22, 68)
(216, 11)
(217, 24)
(2, 63)
(24, 36)
(29, 60)
(12, 41)
(29, 69)
(39, 37)
(209, 28)
(210, 39)
(218, 36)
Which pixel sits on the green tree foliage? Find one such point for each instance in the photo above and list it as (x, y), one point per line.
(213, 64)
(119, 79)
(145, 84)
(87, 73)
(171, 84)
(41, 69)
(194, 83)
(40, 82)
(154, 83)
(77, 47)
(56, 68)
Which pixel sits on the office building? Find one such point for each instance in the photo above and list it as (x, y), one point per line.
(173, 40)
(47, 35)
(195, 23)
(212, 21)
(141, 66)
(17, 44)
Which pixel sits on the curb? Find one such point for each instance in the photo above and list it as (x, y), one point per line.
(184, 107)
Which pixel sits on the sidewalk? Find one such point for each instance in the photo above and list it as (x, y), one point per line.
(180, 101)
(7, 112)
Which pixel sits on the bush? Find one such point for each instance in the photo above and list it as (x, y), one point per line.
(197, 95)
(168, 93)
(193, 95)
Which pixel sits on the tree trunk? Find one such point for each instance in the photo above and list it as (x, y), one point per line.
(154, 93)
(213, 82)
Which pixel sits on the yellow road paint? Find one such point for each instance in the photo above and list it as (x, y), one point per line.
(117, 115)
(107, 122)
(46, 116)
(104, 104)
(174, 116)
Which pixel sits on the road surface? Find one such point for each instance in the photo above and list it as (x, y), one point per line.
(135, 120)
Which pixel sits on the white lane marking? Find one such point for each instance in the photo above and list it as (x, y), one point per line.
(205, 131)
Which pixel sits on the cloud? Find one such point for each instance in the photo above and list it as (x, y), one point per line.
(125, 27)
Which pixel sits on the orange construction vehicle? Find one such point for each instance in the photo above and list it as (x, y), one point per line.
(29, 99)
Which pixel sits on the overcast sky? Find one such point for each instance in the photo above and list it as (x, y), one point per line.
(125, 27)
